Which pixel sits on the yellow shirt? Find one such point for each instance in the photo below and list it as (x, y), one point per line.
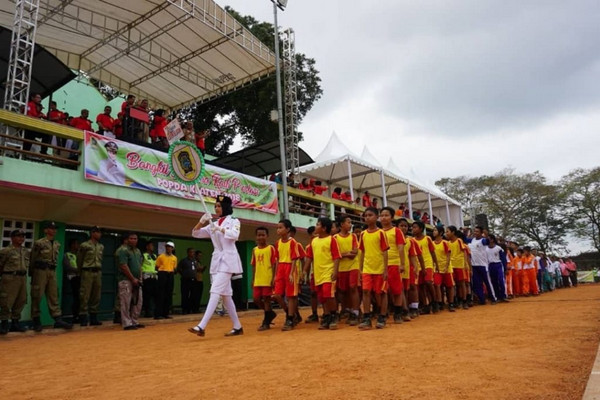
(426, 246)
(457, 254)
(373, 244)
(441, 252)
(395, 238)
(347, 244)
(323, 251)
(411, 249)
(263, 261)
(287, 251)
(166, 262)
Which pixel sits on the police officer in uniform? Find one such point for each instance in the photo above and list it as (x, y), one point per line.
(14, 260)
(150, 279)
(42, 268)
(89, 263)
(72, 274)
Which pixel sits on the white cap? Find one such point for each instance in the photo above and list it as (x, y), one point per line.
(171, 244)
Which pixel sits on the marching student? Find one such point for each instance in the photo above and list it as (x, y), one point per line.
(479, 261)
(286, 277)
(396, 260)
(431, 264)
(347, 279)
(459, 263)
(444, 275)
(325, 253)
(496, 256)
(413, 259)
(263, 262)
(297, 265)
(510, 271)
(310, 277)
(373, 267)
(225, 262)
(530, 268)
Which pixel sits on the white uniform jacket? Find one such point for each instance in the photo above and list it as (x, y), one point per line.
(225, 257)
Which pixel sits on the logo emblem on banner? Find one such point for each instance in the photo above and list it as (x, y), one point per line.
(186, 162)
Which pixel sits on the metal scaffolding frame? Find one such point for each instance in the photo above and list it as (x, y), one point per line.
(290, 86)
(22, 46)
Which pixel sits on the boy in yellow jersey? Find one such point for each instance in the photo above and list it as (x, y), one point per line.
(325, 253)
(263, 264)
(286, 277)
(413, 259)
(347, 282)
(373, 267)
(297, 265)
(309, 277)
(396, 260)
(459, 264)
(444, 274)
(431, 265)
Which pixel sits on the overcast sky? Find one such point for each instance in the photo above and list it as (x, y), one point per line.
(453, 88)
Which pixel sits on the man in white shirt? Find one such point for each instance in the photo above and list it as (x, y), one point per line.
(496, 267)
(479, 261)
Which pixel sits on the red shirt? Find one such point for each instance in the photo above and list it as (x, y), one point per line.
(346, 197)
(366, 200)
(107, 121)
(336, 196)
(83, 124)
(32, 110)
(319, 189)
(200, 142)
(57, 116)
(159, 127)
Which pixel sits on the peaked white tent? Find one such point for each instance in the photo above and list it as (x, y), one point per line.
(337, 166)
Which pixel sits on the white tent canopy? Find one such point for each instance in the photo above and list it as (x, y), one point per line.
(172, 52)
(336, 166)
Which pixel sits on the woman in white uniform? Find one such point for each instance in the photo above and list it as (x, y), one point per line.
(224, 264)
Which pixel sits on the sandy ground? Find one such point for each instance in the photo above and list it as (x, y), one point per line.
(533, 348)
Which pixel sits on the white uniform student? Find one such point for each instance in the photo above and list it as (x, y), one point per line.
(224, 264)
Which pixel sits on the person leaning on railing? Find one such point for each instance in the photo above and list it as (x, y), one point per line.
(34, 110)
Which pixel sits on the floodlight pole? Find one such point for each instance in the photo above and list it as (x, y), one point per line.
(286, 212)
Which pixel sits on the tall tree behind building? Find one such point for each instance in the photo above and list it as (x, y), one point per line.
(246, 112)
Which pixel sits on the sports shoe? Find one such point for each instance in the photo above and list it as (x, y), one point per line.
(289, 324)
(312, 318)
(405, 316)
(264, 326)
(413, 313)
(465, 306)
(270, 317)
(325, 322)
(435, 308)
(352, 319)
(365, 324)
(196, 330)
(297, 318)
(397, 318)
(235, 332)
(333, 322)
(380, 322)
(451, 307)
(426, 310)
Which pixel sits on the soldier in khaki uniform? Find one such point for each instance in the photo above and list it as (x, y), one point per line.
(14, 260)
(89, 264)
(71, 274)
(42, 268)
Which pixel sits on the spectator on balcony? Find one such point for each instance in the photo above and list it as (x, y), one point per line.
(425, 218)
(34, 110)
(319, 188)
(375, 203)
(291, 180)
(106, 123)
(140, 125)
(82, 122)
(366, 199)
(416, 215)
(129, 102)
(400, 211)
(157, 132)
(346, 196)
(200, 140)
(337, 193)
(55, 115)
(306, 184)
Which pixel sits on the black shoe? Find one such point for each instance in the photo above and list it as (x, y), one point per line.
(140, 326)
(94, 320)
(235, 332)
(4, 327)
(465, 306)
(397, 318)
(352, 319)
(451, 307)
(333, 321)
(380, 322)
(312, 318)
(62, 324)
(289, 324)
(83, 320)
(196, 330)
(435, 308)
(16, 327)
(130, 328)
(297, 318)
(366, 323)
(325, 322)
(264, 326)
(37, 324)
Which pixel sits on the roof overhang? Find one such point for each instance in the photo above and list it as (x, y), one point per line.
(172, 52)
(259, 160)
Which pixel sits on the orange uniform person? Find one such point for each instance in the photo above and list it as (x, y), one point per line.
(518, 274)
(530, 267)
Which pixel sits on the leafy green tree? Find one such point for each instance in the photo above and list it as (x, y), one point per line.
(246, 112)
(582, 192)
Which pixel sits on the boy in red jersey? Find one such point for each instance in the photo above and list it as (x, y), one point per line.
(286, 277)
(431, 265)
(297, 265)
(413, 260)
(348, 269)
(396, 260)
(263, 263)
(373, 266)
(325, 253)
